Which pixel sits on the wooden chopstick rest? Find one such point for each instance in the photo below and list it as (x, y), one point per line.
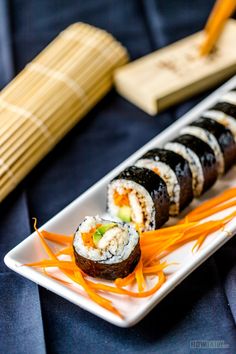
(174, 73)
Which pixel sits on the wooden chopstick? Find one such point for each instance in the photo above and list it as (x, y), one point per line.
(216, 9)
(222, 10)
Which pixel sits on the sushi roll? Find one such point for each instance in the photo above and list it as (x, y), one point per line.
(106, 249)
(229, 97)
(227, 108)
(201, 159)
(175, 171)
(139, 195)
(218, 137)
(219, 116)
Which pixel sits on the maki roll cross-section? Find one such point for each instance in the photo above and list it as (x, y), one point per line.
(226, 107)
(218, 137)
(201, 159)
(139, 195)
(106, 249)
(162, 182)
(175, 171)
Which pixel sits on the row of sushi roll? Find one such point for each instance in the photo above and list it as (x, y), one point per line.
(160, 184)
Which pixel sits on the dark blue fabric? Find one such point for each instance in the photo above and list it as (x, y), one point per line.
(203, 307)
(6, 57)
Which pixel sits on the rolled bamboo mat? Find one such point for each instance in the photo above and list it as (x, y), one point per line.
(51, 95)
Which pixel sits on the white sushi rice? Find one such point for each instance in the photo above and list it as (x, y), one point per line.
(115, 246)
(229, 97)
(169, 176)
(210, 139)
(140, 205)
(222, 118)
(194, 164)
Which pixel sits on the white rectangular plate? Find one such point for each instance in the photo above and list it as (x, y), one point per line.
(93, 202)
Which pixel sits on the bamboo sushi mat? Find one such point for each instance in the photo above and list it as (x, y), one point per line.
(51, 95)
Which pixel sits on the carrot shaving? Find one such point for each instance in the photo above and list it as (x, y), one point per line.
(120, 290)
(120, 282)
(156, 170)
(65, 251)
(154, 269)
(44, 244)
(88, 237)
(55, 278)
(199, 242)
(51, 263)
(139, 275)
(58, 238)
(212, 211)
(154, 245)
(213, 202)
(167, 230)
(161, 279)
(105, 303)
(121, 199)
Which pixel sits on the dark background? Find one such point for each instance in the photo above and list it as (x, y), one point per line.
(33, 320)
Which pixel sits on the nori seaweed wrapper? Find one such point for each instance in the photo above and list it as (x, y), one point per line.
(113, 271)
(225, 107)
(206, 156)
(155, 186)
(181, 169)
(224, 137)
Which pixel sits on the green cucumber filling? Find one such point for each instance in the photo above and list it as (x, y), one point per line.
(101, 231)
(124, 214)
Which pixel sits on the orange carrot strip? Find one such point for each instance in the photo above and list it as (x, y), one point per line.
(119, 290)
(197, 233)
(166, 230)
(56, 278)
(153, 251)
(199, 242)
(95, 297)
(139, 275)
(65, 251)
(146, 241)
(212, 211)
(48, 263)
(120, 282)
(155, 268)
(105, 303)
(58, 238)
(223, 197)
(204, 227)
(44, 244)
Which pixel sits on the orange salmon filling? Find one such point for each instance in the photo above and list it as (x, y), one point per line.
(121, 199)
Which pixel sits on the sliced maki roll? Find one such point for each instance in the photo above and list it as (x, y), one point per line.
(229, 97)
(106, 249)
(226, 107)
(175, 171)
(201, 159)
(140, 196)
(222, 118)
(218, 137)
